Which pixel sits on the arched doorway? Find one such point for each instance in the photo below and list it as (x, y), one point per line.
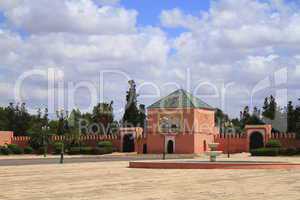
(256, 140)
(145, 149)
(204, 146)
(128, 143)
(170, 147)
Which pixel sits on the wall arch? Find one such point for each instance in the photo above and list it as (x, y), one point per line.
(256, 140)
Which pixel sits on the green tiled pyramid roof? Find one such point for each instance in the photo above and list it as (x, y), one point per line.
(180, 99)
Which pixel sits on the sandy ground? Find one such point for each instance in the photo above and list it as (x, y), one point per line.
(113, 180)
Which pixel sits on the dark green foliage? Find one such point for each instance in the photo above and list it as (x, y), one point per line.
(102, 151)
(293, 118)
(247, 118)
(288, 152)
(142, 115)
(269, 108)
(15, 149)
(272, 114)
(15, 118)
(133, 116)
(57, 147)
(106, 147)
(53, 125)
(98, 151)
(74, 151)
(265, 152)
(62, 124)
(221, 119)
(1, 150)
(86, 150)
(103, 115)
(5, 151)
(273, 144)
(28, 150)
(39, 139)
(104, 144)
(40, 151)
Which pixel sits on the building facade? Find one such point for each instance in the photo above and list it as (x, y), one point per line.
(179, 123)
(183, 124)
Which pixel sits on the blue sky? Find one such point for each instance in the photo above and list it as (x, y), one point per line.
(149, 10)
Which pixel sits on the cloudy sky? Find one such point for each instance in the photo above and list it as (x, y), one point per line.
(229, 53)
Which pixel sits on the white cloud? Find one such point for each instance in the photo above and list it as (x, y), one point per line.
(259, 64)
(175, 17)
(73, 16)
(226, 44)
(236, 41)
(297, 71)
(107, 2)
(116, 44)
(5, 89)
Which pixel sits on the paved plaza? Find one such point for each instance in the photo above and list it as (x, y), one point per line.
(114, 180)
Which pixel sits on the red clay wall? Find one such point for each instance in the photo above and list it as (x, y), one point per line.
(237, 144)
(287, 140)
(153, 119)
(204, 121)
(201, 142)
(90, 140)
(155, 143)
(184, 144)
(198, 126)
(5, 137)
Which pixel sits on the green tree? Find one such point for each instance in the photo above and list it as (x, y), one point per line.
(15, 118)
(73, 126)
(266, 109)
(103, 115)
(220, 119)
(297, 121)
(142, 115)
(247, 118)
(132, 115)
(62, 126)
(291, 117)
(40, 132)
(272, 107)
(269, 108)
(3, 120)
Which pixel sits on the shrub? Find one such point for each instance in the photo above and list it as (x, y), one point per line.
(265, 152)
(28, 150)
(288, 152)
(102, 151)
(104, 144)
(15, 149)
(109, 150)
(40, 151)
(86, 150)
(273, 144)
(105, 147)
(57, 147)
(5, 151)
(74, 151)
(98, 151)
